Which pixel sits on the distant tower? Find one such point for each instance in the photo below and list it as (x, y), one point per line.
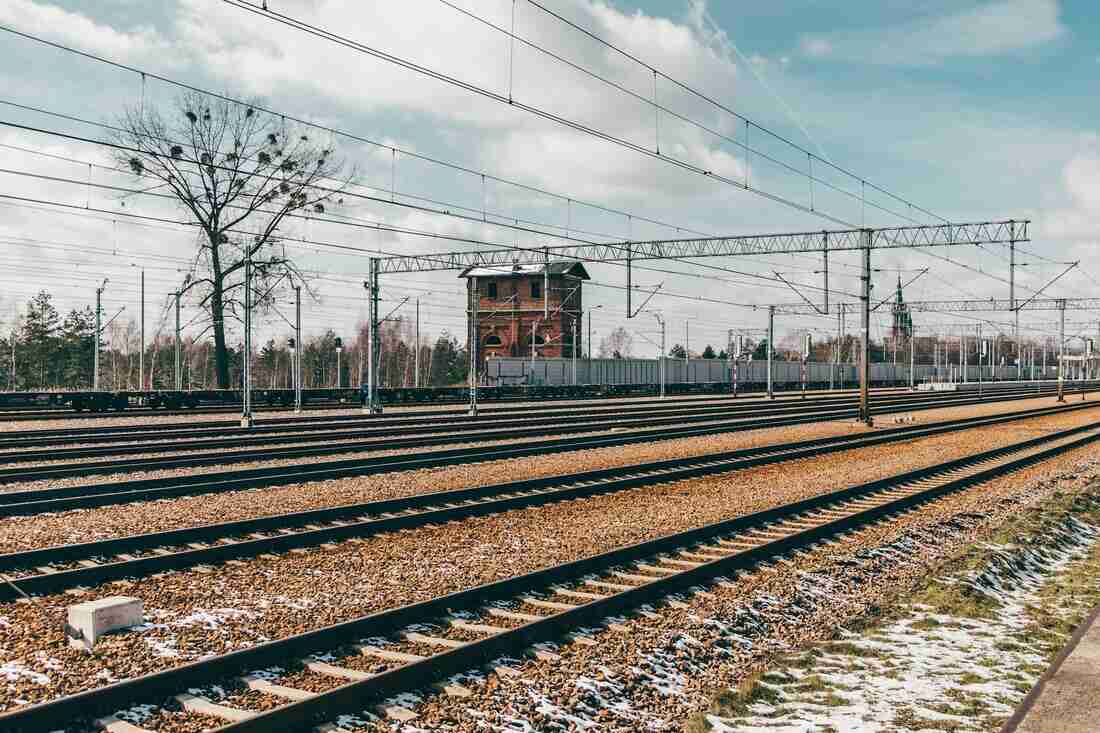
(902, 330)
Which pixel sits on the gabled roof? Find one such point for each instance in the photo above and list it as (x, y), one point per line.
(569, 268)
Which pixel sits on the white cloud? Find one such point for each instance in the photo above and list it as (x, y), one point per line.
(991, 29)
(42, 19)
(283, 64)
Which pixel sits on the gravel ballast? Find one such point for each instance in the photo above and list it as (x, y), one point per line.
(202, 611)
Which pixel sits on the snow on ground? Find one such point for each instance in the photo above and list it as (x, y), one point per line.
(927, 671)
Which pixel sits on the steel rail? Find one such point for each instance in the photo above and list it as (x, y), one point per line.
(562, 406)
(468, 428)
(369, 427)
(34, 501)
(856, 506)
(67, 413)
(246, 538)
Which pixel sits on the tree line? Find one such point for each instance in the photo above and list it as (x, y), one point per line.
(44, 350)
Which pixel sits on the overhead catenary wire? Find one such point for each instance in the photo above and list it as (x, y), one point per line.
(370, 225)
(146, 74)
(329, 217)
(297, 24)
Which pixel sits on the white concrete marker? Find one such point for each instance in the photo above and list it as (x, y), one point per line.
(92, 619)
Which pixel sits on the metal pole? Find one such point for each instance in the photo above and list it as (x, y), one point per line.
(339, 377)
(374, 352)
(589, 352)
(661, 357)
(299, 350)
(534, 325)
(629, 281)
(472, 343)
(246, 398)
(179, 348)
(963, 356)
(836, 350)
(95, 357)
(912, 358)
(141, 355)
(687, 348)
(1061, 349)
(575, 334)
(865, 347)
(1012, 296)
(416, 356)
(771, 348)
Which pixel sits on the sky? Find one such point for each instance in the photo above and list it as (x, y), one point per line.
(907, 112)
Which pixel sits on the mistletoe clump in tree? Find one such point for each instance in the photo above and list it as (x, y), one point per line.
(238, 172)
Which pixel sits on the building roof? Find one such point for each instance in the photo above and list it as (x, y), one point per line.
(570, 268)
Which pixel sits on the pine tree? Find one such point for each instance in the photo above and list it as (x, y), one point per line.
(76, 355)
(36, 352)
(708, 353)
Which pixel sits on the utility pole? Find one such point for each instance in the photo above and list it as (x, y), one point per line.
(912, 357)
(771, 348)
(98, 334)
(865, 347)
(836, 350)
(298, 353)
(1012, 295)
(661, 355)
(373, 407)
(576, 326)
(179, 348)
(1061, 349)
(141, 353)
(416, 356)
(472, 342)
(339, 373)
(246, 398)
(963, 355)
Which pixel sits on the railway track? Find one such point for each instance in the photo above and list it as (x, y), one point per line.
(53, 569)
(63, 498)
(13, 450)
(30, 438)
(416, 646)
(60, 412)
(709, 422)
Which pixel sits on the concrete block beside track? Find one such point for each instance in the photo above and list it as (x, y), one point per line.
(90, 620)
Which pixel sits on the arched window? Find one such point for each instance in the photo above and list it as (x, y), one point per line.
(493, 340)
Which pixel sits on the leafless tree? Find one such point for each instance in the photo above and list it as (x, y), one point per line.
(618, 344)
(238, 172)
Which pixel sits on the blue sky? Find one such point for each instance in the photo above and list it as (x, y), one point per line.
(971, 109)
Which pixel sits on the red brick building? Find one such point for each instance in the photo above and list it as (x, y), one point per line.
(512, 308)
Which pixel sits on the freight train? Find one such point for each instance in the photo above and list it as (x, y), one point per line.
(515, 379)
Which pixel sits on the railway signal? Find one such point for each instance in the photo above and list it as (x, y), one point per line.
(339, 350)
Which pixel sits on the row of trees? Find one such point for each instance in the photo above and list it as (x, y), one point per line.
(45, 351)
(619, 344)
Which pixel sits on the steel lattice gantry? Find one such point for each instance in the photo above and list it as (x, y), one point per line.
(1009, 231)
(972, 306)
(839, 240)
(960, 306)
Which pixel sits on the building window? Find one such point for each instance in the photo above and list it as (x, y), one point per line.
(539, 339)
(493, 340)
(536, 289)
(492, 291)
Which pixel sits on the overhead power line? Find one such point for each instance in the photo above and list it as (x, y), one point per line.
(745, 185)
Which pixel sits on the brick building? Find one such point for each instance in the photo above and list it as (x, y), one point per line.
(512, 307)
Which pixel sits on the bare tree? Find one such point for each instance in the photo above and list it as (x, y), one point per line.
(238, 173)
(618, 344)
